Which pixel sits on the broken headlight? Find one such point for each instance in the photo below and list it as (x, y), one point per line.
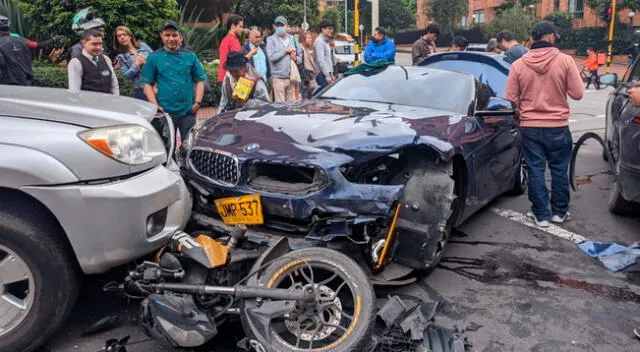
(380, 171)
(129, 144)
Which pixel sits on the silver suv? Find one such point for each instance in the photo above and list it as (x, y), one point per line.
(85, 185)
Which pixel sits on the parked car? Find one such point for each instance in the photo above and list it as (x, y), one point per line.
(344, 52)
(85, 185)
(481, 47)
(389, 169)
(622, 138)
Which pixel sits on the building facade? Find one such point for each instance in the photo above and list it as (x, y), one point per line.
(481, 11)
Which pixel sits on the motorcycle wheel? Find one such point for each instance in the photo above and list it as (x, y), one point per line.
(341, 318)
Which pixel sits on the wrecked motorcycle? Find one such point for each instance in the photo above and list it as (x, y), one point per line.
(308, 299)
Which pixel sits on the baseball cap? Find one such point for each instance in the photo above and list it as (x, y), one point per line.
(543, 28)
(281, 19)
(169, 24)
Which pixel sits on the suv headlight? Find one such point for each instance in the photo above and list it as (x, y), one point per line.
(129, 144)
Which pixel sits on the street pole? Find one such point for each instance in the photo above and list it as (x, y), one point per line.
(375, 6)
(305, 12)
(356, 31)
(612, 25)
(346, 21)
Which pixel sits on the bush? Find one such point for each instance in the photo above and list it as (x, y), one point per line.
(563, 21)
(48, 18)
(597, 38)
(517, 20)
(56, 77)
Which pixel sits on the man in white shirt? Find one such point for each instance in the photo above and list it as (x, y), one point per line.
(92, 71)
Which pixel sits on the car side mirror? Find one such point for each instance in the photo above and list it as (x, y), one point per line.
(609, 79)
(497, 107)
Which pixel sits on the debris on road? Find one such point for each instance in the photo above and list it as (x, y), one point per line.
(613, 256)
(410, 327)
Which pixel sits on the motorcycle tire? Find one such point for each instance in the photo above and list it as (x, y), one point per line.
(358, 299)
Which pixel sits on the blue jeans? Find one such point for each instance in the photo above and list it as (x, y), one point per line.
(547, 146)
(322, 80)
(138, 93)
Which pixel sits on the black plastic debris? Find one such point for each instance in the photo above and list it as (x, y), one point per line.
(104, 324)
(115, 345)
(410, 327)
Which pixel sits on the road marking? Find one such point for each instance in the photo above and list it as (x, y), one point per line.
(552, 229)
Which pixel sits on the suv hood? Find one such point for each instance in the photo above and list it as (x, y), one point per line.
(86, 109)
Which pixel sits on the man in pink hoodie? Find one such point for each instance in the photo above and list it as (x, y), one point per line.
(539, 84)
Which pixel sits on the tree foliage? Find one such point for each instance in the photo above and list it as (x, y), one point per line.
(11, 10)
(395, 15)
(447, 12)
(598, 5)
(261, 13)
(335, 14)
(516, 19)
(144, 17)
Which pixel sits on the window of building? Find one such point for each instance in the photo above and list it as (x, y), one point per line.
(464, 22)
(556, 5)
(478, 16)
(576, 8)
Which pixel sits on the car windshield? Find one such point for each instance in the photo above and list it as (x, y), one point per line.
(492, 74)
(412, 86)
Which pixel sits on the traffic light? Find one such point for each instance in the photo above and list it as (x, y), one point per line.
(607, 12)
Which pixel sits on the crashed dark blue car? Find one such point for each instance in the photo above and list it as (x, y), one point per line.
(388, 161)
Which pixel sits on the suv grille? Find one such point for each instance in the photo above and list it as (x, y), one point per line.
(217, 167)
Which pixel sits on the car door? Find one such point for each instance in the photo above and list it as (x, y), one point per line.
(618, 99)
(499, 158)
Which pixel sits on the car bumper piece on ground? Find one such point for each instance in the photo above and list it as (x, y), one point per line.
(113, 223)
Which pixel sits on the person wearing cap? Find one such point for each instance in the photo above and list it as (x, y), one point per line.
(425, 45)
(237, 66)
(283, 55)
(15, 57)
(231, 42)
(323, 54)
(380, 48)
(175, 70)
(92, 71)
(512, 49)
(539, 84)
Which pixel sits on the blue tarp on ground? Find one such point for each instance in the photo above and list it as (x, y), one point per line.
(614, 256)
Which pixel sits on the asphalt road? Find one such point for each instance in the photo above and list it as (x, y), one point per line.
(522, 289)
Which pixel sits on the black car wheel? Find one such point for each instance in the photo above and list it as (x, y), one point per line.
(38, 280)
(521, 180)
(617, 204)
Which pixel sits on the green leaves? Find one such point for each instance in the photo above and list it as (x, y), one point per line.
(12, 11)
(447, 12)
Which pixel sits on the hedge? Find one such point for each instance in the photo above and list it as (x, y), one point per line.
(56, 77)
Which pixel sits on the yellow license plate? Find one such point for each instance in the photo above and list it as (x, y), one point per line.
(245, 210)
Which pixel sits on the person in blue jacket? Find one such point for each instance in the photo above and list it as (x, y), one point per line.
(380, 48)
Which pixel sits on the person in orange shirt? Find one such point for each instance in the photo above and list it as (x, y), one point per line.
(591, 64)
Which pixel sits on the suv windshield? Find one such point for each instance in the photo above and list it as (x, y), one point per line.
(412, 86)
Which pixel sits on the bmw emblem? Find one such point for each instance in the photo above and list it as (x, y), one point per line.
(250, 148)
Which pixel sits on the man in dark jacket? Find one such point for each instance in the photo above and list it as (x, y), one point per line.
(15, 58)
(426, 45)
(238, 67)
(256, 51)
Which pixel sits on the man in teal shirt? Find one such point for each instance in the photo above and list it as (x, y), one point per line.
(175, 70)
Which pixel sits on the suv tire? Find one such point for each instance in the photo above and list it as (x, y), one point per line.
(32, 243)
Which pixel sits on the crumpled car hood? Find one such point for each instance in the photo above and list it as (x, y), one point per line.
(325, 130)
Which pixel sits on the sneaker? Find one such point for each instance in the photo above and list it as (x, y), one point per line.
(637, 332)
(560, 219)
(532, 218)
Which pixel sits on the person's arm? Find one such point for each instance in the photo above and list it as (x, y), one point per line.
(369, 56)
(575, 87)
(321, 58)
(75, 75)
(198, 75)
(115, 87)
(261, 92)
(299, 54)
(148, 78)
(128, 71)
(416, 53)
(390, 51)
(224, 99)
(275, 55)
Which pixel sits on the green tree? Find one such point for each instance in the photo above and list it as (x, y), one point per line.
(509, 4)
(10, 9)
(597, 6)
(516, 19)
(335, 14)
(261, 13)
(395, 15)
(144, 17)
(447, 12)
(411, 5)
